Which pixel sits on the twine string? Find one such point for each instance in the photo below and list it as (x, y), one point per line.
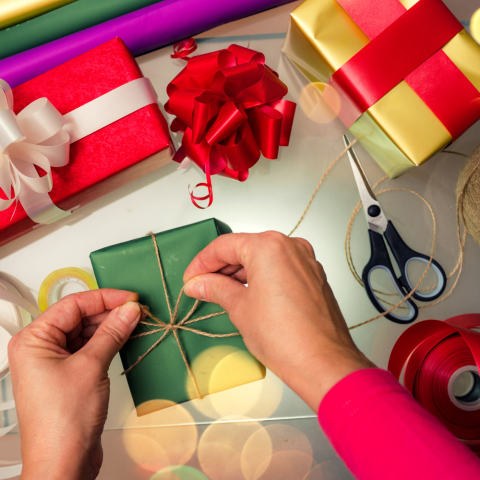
(172, 326)
(461, 240)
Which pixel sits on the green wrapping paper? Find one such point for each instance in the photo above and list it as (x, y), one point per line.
(162, 377)
(64, 21)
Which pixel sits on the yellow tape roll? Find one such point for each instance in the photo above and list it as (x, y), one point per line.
(50, 288)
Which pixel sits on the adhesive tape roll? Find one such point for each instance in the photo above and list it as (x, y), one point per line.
(441, 362)
(50, 290)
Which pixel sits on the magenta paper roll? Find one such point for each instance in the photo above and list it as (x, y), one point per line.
(145, 30)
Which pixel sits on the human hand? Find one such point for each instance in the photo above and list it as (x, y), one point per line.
(288, 315)
(59, 367)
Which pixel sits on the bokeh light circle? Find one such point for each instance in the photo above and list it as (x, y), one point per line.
(291, 453)
(219, 371)
(162, 438)
(475, 26)
(221, 446)
(320, 102)
(179, 472)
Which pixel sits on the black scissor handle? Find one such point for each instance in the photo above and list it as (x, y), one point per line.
(404, 255)
(381, 260)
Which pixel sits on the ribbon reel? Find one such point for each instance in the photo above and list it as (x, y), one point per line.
(440, 361)
(15, 313)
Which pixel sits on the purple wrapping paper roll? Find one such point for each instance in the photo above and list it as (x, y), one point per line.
(145, 30)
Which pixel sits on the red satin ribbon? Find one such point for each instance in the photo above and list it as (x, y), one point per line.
(230, 107)
(406, 45)
(184, 48)
(430, 352)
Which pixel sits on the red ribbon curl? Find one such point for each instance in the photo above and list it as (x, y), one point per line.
(430, 352)
(230, 107)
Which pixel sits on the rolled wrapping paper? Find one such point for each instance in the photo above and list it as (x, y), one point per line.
(144, 30)
(49, 292)
(16, 11)
(15, 313)
(441, 361)
(64, 21)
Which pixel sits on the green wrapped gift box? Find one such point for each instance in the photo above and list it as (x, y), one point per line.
(162, 376)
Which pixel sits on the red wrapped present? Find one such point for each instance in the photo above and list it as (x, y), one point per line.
(117, 136)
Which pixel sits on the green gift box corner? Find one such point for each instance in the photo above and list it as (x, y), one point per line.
(161, 378)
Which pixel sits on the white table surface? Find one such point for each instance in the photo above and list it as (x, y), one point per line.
(273, 198)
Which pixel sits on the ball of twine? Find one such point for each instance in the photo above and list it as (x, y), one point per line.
(468, 195)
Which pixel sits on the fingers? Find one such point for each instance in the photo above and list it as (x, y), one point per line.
(67, 313)
(231, 249)
(216, 288)
(112, 334)
(237, 272)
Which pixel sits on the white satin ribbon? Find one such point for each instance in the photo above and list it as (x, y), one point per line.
(40, 136)
(10, 294)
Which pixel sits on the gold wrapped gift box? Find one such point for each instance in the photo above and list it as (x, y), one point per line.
(399, 131)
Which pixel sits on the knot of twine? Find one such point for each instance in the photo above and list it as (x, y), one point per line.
(172, 326)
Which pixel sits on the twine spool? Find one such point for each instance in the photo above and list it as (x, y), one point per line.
(468, 195)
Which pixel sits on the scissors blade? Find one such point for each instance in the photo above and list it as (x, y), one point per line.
(373, 211)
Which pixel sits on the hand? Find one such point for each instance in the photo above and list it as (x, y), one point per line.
(288, 315)
(59, 367)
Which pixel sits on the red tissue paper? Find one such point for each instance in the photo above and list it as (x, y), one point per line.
(102, 161)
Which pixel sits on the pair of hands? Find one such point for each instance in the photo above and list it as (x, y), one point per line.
(288, 317)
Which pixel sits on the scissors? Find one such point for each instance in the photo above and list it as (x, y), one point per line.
(402, 253)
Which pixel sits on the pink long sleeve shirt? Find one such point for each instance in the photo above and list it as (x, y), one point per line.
(382, 433)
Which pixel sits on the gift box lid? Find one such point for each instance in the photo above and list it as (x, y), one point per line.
(108, 151)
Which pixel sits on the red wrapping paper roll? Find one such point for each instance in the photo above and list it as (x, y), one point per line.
(432, 355)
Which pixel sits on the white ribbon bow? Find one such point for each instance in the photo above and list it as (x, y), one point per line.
(41, 136)
(34, 137)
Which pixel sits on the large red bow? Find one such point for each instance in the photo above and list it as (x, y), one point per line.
(230, 106)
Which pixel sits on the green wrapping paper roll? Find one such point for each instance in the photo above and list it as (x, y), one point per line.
(162, 376)
(64, 21)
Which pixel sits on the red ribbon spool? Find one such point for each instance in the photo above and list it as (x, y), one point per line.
(230, 106)
(432, 353)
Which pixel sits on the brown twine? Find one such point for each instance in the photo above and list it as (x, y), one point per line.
(173, 327)
(468, 195)
(468, 182)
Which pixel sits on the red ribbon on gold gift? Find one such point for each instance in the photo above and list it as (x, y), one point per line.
(230, 107)
(406, 45)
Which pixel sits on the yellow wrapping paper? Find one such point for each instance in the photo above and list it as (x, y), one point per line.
(399, 131)
(13, 12)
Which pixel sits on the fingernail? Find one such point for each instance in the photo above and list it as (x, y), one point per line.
(195, 288)
(129, 313)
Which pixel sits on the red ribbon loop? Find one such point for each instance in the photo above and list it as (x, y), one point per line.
(184, 48)
(230, 106)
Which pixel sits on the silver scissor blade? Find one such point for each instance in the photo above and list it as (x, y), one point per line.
(366, 193)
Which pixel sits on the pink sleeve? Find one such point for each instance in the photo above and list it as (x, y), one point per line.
(382, 433)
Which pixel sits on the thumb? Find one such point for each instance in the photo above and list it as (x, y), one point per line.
(112, 334)
(215, 288)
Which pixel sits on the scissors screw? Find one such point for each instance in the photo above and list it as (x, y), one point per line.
(374, 211)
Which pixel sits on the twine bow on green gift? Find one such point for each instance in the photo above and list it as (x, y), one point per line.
(172, 326)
